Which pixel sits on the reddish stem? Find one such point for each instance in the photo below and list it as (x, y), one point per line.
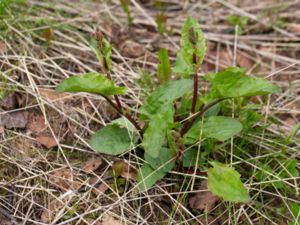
(106, 70)
(195, 93)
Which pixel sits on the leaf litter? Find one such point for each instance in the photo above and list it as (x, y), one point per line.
(204, 199)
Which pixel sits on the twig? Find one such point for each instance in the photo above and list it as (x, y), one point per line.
(8, 216)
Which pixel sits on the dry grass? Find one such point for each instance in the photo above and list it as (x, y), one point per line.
(270, 47)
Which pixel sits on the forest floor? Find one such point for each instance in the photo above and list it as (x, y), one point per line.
(48, 172)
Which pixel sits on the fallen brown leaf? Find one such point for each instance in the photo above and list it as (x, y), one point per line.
(91, 165)
(243, 61)
(36, 124)
(290, 121)
(109, 220)
(203, 200)
(132, 49)
(9, 102)
(47, 141)
(64, 179)
(122, 169)
(3, 48)
(294, 28)
(16, 119)
(92, 221)
(98, 190)
(208, 220)
(53, 208)
(52, 95)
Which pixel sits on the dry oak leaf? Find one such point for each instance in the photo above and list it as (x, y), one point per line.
(203, 200)
(17, 119)
(47, 141)
(64, 179)
(92, 165)
(109, 220)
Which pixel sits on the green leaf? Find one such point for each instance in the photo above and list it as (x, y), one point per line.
(237, 20)
(217, 127)
(184, 63)
(295, 209)
(125, 7)
(249, 118)
(155, 133)
(164, 162)
(147, 177)
(192, 42)
(293, 131)
(291, 167)
(224, 182)
(125, 123)
(164, 67)
(164, 96)
(91, 83)
(233, 82)
(112, 140)
(289, 170)
(191, 157)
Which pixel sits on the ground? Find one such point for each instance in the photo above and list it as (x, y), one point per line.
(48, 172)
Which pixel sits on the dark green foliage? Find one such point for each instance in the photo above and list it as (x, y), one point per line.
(168, 138)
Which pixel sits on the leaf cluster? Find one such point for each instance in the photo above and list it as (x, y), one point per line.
(171, 133)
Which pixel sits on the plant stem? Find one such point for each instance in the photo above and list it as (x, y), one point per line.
(122, 113)
(106, 70)
(195, 92)
(192, 119)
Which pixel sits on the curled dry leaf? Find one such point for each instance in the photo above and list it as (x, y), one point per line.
(109, 220)
(91, 165)
(17, 119)
(47, 141)
(64, 179)
(203, 200)
(53, 208)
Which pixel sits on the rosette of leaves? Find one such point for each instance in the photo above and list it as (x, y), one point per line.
(163, 137)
